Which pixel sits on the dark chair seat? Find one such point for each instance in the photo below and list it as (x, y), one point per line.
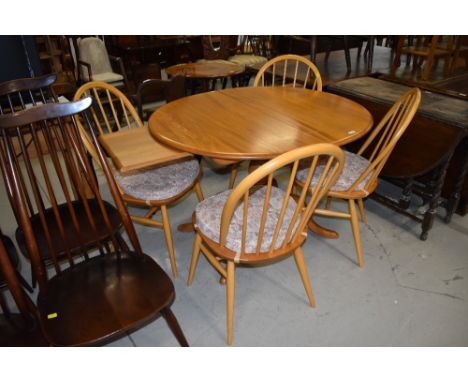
(88, 237)
(12, 333)
(99, 291)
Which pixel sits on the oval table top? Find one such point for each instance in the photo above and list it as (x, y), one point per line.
(206, 69)
(258, 123)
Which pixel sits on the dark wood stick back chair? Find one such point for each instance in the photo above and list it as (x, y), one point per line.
(94, 295)
(34, 145)
(254, 224)
(22, 93)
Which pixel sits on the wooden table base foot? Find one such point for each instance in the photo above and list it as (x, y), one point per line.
(185, 227)
(322, 231)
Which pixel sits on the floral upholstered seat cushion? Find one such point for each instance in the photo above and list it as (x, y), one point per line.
(208, 219)
(354, 166)
(159, 183)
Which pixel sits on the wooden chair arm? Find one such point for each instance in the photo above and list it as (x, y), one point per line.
(119, 61)
(88, 67)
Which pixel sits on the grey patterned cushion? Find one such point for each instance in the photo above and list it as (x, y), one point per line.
(159, 183)
(208, 219)
(354, 166)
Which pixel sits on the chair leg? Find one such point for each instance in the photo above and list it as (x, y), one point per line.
(174, 326)
(299, 257)
(230, 299)
(361, 210)
(199, 192)
(355, 227)
(234, 170)
(195, 257)
(168, 234)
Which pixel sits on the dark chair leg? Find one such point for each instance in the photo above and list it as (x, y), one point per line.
(347, 55)
(405, 197)
(454, 198)
(174, 326)
(435, 185)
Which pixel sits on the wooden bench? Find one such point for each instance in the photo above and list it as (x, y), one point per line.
(431, 159)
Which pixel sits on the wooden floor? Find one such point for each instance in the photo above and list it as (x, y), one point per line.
(334, 69)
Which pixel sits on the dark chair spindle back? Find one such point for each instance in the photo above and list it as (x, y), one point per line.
(23, 93)
(103, 291)
(63, 173)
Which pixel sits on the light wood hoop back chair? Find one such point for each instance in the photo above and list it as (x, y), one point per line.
(277, 72)
(97, 293)
(254, 224)
(112, 111)
(361, 171)
(289, 70)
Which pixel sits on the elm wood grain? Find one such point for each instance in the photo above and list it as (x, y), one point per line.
(135, 149)
(257, 123)
(296, 222)
(92, 297)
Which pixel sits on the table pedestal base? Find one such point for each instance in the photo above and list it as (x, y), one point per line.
(185, 227)
(322, 231)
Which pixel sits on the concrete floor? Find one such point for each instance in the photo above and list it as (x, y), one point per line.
(409, 292)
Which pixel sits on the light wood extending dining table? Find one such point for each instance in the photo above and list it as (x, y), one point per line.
(258, 123)
(135, 149)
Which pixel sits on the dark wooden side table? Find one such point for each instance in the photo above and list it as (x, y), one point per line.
(207, 71)
(420, 161)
